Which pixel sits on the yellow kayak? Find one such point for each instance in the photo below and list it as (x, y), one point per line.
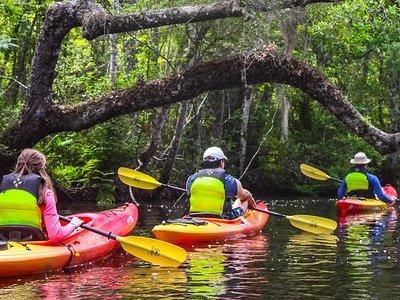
(192, 230)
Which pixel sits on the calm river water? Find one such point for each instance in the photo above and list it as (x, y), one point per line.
(361, 261)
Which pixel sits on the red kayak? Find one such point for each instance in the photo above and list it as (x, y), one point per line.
(81, 247)
(361, 205)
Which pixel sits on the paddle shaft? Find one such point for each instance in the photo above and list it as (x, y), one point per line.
(253, 208)
(269, 212)
(90, 228)
(173, 187)
(307, 223)
(337, 179)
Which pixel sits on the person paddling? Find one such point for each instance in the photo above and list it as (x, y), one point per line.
(28, 202)
(361, 183)
(211, 189)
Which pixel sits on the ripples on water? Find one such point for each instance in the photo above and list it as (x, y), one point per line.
(360, 261)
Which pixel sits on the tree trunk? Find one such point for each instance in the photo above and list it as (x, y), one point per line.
(155, 137)
(285, 113)
(113, 63)
(289, 29)
(247, 98)
(130, 51)
(305, 116)
(176, 140)
(394, 108)
(217, 104)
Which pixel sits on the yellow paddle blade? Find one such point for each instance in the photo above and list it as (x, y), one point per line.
(154, 251)
(313, 224)
(137, 179)
(313, 172)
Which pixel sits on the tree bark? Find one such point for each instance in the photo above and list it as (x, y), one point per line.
(305, 116)
(130, 51)
(394, 108)
(285, 104)
(104, 23)
(247, 98)
(217, 104)
(155, 137)
(289, 25)
(113, 64)
(176, 140)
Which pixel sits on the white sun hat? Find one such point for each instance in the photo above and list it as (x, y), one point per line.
(360, 159)
(213, 154)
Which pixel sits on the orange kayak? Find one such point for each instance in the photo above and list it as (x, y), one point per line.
(81, 247)
(192, 230)
(351, 205)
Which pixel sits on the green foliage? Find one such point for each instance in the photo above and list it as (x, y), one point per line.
(356, 44)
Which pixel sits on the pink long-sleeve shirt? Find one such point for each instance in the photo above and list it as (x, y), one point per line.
(55, 231)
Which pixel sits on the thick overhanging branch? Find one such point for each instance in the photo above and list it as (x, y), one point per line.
(106, 24)
(59, 21)
(61, 17)
(261, 66)
(41, 116)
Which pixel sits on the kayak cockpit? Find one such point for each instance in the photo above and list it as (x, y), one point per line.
(21, 233)
(33, 235)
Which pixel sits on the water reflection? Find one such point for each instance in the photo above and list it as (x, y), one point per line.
(206, 272)
(16, 291)
(361, 262)
(123, 277)
(366, 240)
(310, 264)
(233, 269)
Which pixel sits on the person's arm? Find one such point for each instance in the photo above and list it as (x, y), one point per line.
(377, 188)
(342, 190)
(244, 195)
(55, 231)
(1, 184)
(189, 182)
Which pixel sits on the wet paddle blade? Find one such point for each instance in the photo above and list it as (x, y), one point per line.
(313, 224)
(154, 251)
(313, 172)
(137, 179)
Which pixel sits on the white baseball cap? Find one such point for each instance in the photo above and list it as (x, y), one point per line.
(360, 159)
(213, 154)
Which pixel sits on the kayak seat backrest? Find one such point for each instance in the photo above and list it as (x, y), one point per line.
(21, 233)
(362, 194)
(186, 221)
(205, 215)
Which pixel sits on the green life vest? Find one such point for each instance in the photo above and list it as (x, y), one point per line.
(207, 192)
(18, 200)
(358, 185)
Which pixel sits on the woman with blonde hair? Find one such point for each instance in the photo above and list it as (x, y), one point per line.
(28, 202)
